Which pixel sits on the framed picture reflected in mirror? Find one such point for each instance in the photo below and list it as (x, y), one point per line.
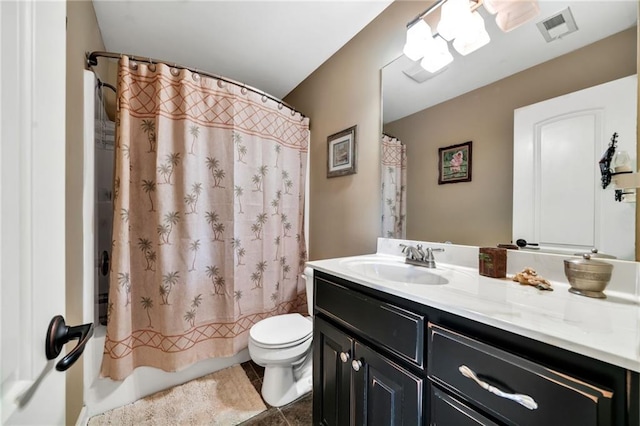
(454, 163)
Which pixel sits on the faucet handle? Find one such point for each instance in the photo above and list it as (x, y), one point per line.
(411, 252)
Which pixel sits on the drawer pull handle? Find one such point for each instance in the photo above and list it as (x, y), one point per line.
(524, 400)
(344, 356)
(356, 365)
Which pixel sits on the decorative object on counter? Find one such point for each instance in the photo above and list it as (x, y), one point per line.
(454, 163)
(594, 253)
(588, 277)
(341, 153)
(529, 276)
(493, 262)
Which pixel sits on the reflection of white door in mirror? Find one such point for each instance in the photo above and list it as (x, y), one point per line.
(556, 180)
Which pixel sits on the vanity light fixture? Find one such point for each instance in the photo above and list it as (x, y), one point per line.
(417, 36)
(463, 25)
(512, 14)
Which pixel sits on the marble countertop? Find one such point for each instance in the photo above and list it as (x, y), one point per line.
(604, 329)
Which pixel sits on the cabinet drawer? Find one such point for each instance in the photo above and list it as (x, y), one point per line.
(398, 330)
(531, 394)
(448, 411)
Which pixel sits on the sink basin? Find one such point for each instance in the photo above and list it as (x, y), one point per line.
(396, 271)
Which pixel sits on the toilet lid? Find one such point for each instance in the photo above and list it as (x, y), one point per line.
(281, 329)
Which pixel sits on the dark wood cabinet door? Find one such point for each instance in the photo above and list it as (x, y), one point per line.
(332, 356)
(446, 410)
(385, 394)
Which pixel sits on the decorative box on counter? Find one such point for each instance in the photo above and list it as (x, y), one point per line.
(493, 262)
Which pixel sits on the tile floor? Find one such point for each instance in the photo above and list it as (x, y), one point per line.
(297, 413)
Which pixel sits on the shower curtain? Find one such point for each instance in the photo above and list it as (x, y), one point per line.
(208, 218)
(394, 187)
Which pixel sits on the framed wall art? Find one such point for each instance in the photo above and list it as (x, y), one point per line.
(341, 153)
(454, 163)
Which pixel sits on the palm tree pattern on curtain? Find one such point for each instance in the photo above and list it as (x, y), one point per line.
(394, 187)
(208, 230)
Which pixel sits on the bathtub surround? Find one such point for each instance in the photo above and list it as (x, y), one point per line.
(104, 131)
(226, 397)
(208, 218)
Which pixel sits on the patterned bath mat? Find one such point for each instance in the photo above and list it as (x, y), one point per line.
(223, 398)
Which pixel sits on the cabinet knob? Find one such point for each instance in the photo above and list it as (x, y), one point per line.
(344, 356)
(356, 365)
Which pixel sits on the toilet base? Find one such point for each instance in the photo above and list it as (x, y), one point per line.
(282, 385)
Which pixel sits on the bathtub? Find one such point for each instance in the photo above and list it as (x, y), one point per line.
(102, 394)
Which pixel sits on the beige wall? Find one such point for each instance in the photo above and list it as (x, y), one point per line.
(479, 212)
(345, 90)
(82, 35)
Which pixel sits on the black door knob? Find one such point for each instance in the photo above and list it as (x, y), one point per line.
(58, 334)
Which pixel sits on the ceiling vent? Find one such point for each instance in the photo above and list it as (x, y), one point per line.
(558, 25)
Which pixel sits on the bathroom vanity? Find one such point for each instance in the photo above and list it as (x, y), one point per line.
(468, 350)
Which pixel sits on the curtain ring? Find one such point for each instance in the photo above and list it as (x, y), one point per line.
(133, 65)
(151, 66)
(175, 71)
(264, 98)
(195, 76)
(280, 105)
(243, 90)
(220, 84)
(293, 113)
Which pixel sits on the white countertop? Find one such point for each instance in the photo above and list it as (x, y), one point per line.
(604, 329)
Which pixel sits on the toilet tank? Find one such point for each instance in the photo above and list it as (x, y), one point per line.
(308, 278)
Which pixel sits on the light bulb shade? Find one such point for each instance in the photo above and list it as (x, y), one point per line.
(495, 6)
(417, 35)
(516, 14)
(473, 37)
(621, 162)
(453, 18)
(436, 55)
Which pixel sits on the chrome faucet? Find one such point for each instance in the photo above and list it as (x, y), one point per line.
(419, 256)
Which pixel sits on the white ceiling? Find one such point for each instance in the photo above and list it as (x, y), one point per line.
(270, 45)
(506, 54)
(275, 45)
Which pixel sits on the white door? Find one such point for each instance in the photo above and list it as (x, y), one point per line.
(32, 214)
(558, 200)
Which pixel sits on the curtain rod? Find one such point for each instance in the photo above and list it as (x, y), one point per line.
(92, 60)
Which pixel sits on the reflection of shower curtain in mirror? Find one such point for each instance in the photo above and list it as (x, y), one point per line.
(208, 226)
(394, 187)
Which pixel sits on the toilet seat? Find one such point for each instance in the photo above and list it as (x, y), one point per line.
(281, 331)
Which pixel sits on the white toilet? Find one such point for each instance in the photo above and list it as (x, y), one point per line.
(282, 345)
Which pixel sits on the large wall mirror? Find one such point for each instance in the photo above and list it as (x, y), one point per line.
(474, 98)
